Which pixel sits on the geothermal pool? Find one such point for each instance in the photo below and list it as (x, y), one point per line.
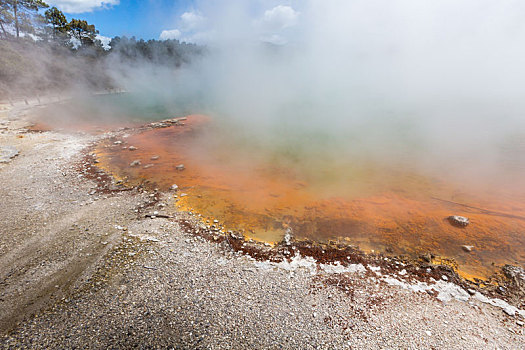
(377, 206)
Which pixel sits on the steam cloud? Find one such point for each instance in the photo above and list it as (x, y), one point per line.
(436, 84)
(432, 85)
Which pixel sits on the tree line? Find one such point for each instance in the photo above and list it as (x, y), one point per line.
(26, 20)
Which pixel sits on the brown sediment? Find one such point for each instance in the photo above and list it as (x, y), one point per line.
(375, 208)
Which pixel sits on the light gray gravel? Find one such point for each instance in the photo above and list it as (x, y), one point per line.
(84, 271)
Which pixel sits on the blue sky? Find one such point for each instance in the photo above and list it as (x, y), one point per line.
(144, 19)
(196, 21)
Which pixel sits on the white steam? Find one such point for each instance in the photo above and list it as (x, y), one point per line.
(437, 83)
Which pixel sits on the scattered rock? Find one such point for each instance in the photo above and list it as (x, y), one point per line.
(180, 167)
(132, 148)
(467, 248)
(154, 216)
(7, 153)
(136, 162)
(155, 157)
(117, 142)
(288, 237)
(459, 221)
(516, 274)
(148, 166)
(426, 257)
(174, 187)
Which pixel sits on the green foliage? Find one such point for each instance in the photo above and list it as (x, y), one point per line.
(57, 20)
(165, 53)
(83, 31)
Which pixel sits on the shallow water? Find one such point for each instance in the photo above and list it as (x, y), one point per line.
(104, 111)
(372, 204)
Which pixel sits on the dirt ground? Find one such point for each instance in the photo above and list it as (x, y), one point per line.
(81, 266)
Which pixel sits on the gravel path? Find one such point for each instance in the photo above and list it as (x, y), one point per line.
(80, 269)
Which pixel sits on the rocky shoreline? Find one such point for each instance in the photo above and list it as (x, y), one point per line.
(87, 262)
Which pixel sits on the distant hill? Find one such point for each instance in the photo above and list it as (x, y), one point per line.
(29, 67)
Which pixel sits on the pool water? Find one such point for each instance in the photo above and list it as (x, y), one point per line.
(375, 205)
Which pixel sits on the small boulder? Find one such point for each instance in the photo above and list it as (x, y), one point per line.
(174, 187)
(467, 248)
(132, 148)
(136, 162)
(155, 157)
(426, 257)
(180, 167)
(459, 221)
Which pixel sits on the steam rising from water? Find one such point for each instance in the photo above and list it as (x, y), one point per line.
(436, 85)
(370, 121)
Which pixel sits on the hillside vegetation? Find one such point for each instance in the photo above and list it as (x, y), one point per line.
(45, 54)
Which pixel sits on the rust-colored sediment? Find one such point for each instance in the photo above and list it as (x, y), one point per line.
(371, 206)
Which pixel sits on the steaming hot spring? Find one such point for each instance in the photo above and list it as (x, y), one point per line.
(319, 188)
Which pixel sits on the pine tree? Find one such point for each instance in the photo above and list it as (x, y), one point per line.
(20, 13)
(57, 20)
(6, 17)
(83, 31)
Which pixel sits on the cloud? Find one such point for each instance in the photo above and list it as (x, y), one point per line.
(274, 21)
(280, 17)
(170, 34)
(194, 27)
(79, 6)
(191, 28)
(191, 21)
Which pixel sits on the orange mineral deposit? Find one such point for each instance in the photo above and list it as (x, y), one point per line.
(369, 205)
